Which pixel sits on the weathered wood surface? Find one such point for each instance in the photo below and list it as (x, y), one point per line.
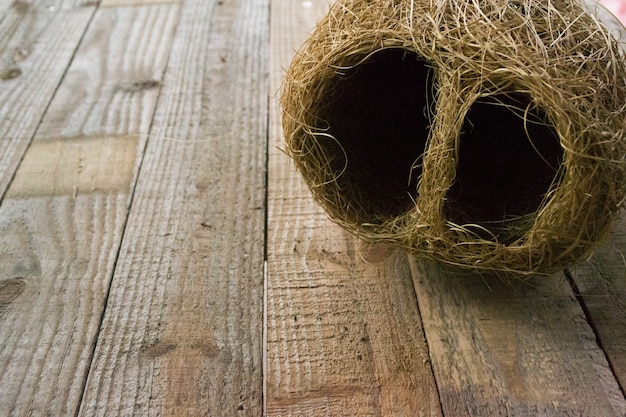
(519, 348)
(115, 3)
(5, 5)
(344, 334)
(37, 42)
(62, 220)
(601, 284)
(182, 333)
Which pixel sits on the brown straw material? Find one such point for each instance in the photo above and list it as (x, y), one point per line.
(488, 134)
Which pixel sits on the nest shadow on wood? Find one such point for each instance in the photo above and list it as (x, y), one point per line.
(486, 134)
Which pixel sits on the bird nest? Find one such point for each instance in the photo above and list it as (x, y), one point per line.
(489, 134)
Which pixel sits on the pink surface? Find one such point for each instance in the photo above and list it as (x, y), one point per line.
(617, 7)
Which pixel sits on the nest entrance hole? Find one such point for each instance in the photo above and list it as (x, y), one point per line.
(378, 111)
(509, 157)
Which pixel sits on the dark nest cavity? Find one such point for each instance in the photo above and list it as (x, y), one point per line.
(509, 158)
(378, 112)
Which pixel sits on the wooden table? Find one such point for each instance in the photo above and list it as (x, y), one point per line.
(159, 255)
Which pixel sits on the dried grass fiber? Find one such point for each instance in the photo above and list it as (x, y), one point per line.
(488, 134)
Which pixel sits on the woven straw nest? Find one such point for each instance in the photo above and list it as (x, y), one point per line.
(489, 134)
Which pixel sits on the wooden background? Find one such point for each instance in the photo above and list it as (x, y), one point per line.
(159, 255)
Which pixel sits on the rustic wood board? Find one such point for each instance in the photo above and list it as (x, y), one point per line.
(182, 333)
(62, 220)
(601, 283)
(115, 80)
(517, 349)
(36, 46)
(5, 8)
(117, 3)
(41, 6)
(344, 335)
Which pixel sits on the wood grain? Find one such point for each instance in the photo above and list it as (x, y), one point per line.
(62, 221)
(6, 7)
(183, 327)
(601, 283)
(344, 335)
(37, 43)
(516, 349)
(117, 3)
(79, 168)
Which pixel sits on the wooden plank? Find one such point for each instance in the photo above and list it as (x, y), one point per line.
(182, 331)
(516, 349)
(117, 3)
(37, 44)
(344, 335)
(601, 283)
(6, 7)
(47, 7)
(62, 221)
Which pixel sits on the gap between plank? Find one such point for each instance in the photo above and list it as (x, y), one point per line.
(411, 260)
(264, 358)
(264, 320)
(592, 324)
